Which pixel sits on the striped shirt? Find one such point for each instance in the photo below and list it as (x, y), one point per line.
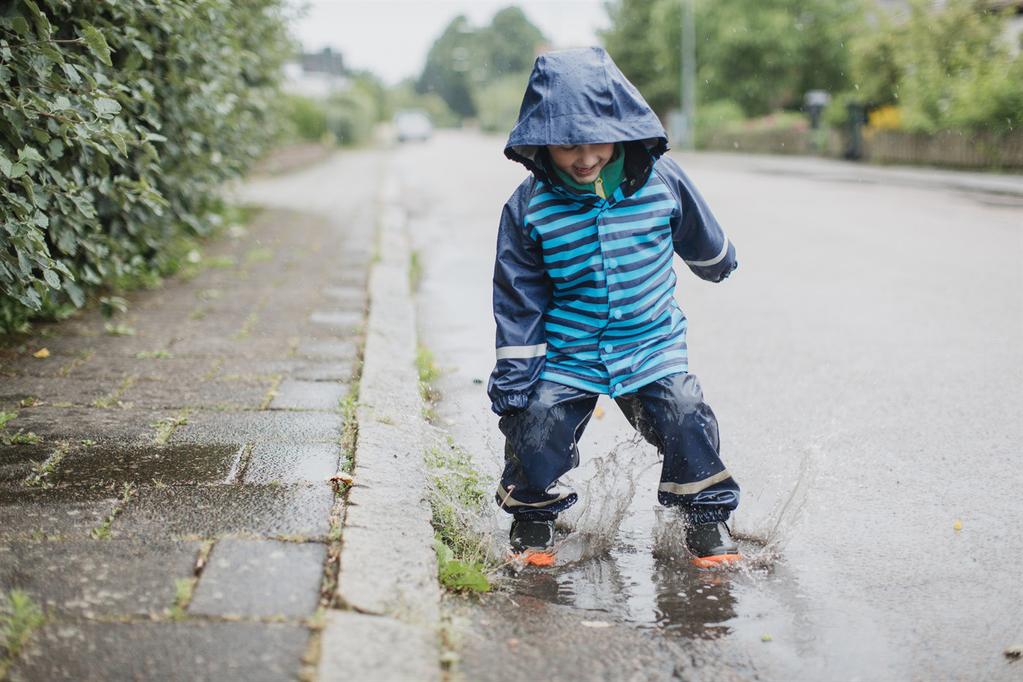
(613, 324)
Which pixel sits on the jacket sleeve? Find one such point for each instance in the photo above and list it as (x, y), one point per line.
(522, 291)
(698, 238)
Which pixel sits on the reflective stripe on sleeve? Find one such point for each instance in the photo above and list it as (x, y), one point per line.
(713, 261)
(695, 486)
(518, 352)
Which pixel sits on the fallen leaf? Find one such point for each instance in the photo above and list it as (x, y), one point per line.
(598, 412)
(513, 642)
(342, 478)
(1014, 651)
(595, 624)
(958, 525)
(42, 353)
(766, 638)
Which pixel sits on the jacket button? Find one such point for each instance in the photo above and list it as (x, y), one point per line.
(612, 263)
(608, 348)
(617, 314)
(617, 388)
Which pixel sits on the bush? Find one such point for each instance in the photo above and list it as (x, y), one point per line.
(714, 116)
(351, 115)
(306, 117)
(118, 123)
(947, 68)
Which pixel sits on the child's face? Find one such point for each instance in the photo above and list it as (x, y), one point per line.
(582, 162)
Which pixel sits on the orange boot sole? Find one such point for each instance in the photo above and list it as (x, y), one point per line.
(535, 558)
(716, 560)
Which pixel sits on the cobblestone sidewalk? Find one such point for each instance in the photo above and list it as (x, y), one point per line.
(164, 481)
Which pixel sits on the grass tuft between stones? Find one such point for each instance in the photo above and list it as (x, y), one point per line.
(19, 618)
(458, 504)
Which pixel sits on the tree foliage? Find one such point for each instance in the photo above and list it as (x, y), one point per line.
(945, 68)
(762, 56)
(118, 122)
(464, 59)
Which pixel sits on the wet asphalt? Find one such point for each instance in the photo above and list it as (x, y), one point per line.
(865, 365)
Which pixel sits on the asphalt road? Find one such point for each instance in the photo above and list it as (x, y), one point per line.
(866, 365)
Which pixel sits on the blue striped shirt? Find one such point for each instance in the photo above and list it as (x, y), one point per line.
(613, 324)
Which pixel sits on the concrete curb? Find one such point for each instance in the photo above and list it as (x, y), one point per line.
(388, 567)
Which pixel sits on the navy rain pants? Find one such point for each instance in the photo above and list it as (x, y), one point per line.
(542, 445)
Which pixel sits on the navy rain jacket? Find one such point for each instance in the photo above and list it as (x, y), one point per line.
(584, 286)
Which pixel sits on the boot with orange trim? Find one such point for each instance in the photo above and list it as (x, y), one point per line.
(532, 541)
(711, 544)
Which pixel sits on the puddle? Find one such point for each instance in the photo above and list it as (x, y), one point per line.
(622, 555)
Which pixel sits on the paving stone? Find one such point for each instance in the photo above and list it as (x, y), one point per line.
(170, 394)
(260, 578)
(170, 464)
(188, 650)
(308, 395)
(146, 366)
(347, 298)
(55, 390)
(338, 322)
(18, 461)
(98, 577)
(210, 511)
(65, 512)
(55, 424)
(318, 348)
(266, 427)
(303, 369)
(204, 345)
(292, 463)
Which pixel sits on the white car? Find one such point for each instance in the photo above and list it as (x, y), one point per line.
(412, 124)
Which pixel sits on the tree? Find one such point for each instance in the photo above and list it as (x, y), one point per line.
(509, 44)
(761, 55)
(448, 65)
(463, 60)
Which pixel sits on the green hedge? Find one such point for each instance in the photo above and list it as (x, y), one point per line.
(118, 123)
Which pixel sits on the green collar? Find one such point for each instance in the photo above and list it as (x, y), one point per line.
(611, 175)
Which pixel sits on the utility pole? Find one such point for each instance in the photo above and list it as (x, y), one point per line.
(687, 91)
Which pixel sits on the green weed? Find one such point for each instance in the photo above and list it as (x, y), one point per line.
(429, 372)
(19, 618)
(118, 329)
(153, 355)
(165, 427)
(22, 438)
(42, 470)
(415, 272)
(457, 501)
(6, 417)
(102, 531)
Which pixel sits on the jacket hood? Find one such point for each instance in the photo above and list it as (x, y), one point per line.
(580, 97)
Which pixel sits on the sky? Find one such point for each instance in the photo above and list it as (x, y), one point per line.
(391, 37)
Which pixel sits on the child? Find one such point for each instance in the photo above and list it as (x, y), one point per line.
(584, 302)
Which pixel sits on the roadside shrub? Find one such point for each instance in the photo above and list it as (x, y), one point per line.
(714, 116)
(306, 117)
(118, 123)
(351, 116)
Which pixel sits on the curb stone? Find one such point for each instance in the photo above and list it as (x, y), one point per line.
(388, 570)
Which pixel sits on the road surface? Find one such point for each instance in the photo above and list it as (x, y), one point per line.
(866, 365)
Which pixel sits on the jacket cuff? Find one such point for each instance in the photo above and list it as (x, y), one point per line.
(509, 403)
